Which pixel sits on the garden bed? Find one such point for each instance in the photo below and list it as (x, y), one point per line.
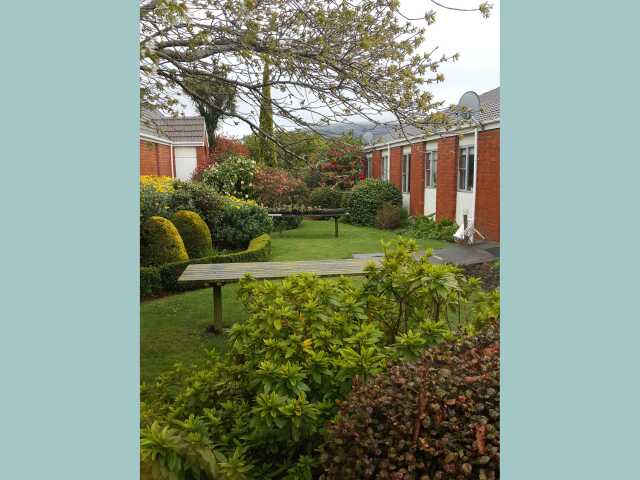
(488, 273)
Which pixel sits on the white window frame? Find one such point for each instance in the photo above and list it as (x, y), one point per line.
(431, 169)
(369, 159)
(385, 165)
(464, 165)
(406, 171)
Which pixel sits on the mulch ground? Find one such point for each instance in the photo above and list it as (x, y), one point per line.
(488, 274)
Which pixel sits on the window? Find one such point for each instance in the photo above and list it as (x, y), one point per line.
(431, 169)
(385, 165)
(406, 162)
(465, 169)
(369, 165)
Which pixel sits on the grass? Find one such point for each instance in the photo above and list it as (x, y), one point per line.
(173, 329)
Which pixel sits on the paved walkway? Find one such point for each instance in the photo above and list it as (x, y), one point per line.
(456, 254)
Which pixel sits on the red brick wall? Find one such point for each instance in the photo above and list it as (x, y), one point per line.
(395, 167)
(148, 158)
(447, 178)
(416, 180)
(155, 159)
(377, 163)
(164, 160)
(202, 154)
(488, 185)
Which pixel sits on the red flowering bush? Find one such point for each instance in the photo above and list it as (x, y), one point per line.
(342, 164)
(275, 187)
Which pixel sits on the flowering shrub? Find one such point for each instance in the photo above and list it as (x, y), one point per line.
(275, 187)
(159, 184)
(343, 163)
(305, 343)
(234, 176)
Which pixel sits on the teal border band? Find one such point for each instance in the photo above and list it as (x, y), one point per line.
(570, 323)
(69, 309)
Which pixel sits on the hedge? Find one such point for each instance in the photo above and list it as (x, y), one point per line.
(164, 279)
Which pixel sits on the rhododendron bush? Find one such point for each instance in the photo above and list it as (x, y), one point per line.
(275, 187)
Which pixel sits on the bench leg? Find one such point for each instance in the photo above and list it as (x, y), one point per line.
(336, 220)
(217, 306)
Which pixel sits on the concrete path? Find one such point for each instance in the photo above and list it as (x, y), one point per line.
(456, 254)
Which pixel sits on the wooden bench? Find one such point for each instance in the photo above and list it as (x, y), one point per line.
(335, 213)
(219, 274)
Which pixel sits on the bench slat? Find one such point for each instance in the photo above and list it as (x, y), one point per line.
(232, 272)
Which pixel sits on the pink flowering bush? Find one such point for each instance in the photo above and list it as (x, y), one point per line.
(275, 187)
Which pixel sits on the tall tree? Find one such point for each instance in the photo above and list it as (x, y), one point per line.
(214, 101)
(268, 153)
(331, 60)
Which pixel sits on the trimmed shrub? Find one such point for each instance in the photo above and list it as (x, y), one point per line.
(160, 243)
(202, 199)
(368, 196)
(391, 216)
(259, 250)
(194, 232)
(241, 222)
(326, 197)
(150, 281)
(438, 418)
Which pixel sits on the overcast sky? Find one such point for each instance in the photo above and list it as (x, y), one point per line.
(475, 38)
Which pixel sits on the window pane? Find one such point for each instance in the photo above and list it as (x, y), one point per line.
(461, 179)
(470, 169)
(434, 171)
(463, 158)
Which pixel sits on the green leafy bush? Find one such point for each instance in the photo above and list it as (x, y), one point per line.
(368, 196)
(232, 176)
(150, 281)
(286, 223)
(326, 197)
(202, 199)
(194, 232)
(305, 343)
(154, 202)
(160, 243)
(391, 216)
(242, 222)
(427, 227)
(436, 418)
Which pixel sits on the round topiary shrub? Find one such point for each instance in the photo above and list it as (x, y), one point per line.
(367, 197)
(194, 232)
(438, 418)
(326, 197)
(160, 243)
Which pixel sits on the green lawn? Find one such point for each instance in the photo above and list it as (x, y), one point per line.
(173, 329)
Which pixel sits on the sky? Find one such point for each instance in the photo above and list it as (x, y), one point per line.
(475, 38)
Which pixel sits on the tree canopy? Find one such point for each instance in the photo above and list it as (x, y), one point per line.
(330, 61)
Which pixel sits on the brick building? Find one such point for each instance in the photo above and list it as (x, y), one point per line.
(435, 172)
(172, 147)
